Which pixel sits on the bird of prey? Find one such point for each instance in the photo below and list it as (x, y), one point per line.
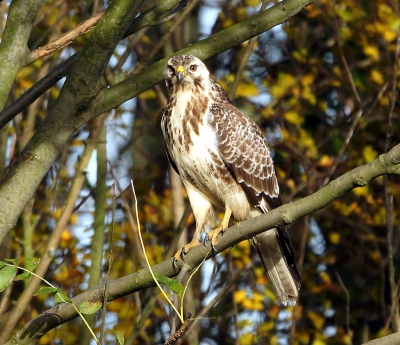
(225, 164)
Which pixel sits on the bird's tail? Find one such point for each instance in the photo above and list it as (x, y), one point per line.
(276, 254)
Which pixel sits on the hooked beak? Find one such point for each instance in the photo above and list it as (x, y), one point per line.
(180, 73)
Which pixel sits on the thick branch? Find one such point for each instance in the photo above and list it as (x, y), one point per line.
(388, 163)
(21, 17)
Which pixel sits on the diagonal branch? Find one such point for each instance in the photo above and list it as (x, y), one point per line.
(388, 163)
(64, 40)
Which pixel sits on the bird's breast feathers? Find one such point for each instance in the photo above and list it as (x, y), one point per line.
(193, 145)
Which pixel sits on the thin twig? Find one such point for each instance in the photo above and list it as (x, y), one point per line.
(64, 40)
(147, 260)
(345, 64)
(347, 306)
(110, 261)
(165, 38)
(358, 104)
(243, 62)
(178, 334)
(151, 302)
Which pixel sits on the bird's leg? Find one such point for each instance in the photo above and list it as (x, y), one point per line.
(213, 234)
(193, 243)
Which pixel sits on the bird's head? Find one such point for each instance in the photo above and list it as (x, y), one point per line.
(185, 72)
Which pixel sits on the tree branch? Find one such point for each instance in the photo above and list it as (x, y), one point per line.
(388, 163)
(64, 40)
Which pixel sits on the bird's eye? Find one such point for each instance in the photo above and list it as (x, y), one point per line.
(171, 70)
(193, 68)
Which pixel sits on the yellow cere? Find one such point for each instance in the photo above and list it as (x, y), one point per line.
(180, 69)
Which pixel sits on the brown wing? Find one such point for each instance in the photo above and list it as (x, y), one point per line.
(245, 152)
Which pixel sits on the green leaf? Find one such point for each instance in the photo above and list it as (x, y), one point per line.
(13, 261)
(171, 284)
(90, 307)
(45, 290)
(7, 274)
(120, 337)
(23, 276)
(31, 263)
(61, 297)
(2, 264)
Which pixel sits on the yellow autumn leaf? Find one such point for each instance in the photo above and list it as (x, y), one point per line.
(258, 306)
(239, 296)
(148, 94)
(73, 219)
(334, 237)
(376, 77)
(369, 154)
(371, 51)
(293, 117)
(252, 2)
(389, 35)
(267, 112)
(285, 133)
(273, 340)
(248, 304)
(266, 327)
(361, 191)
(287, 79)
(258, 296)
(337, 71)
(304, 338)
(325, 161)
(309, 95)
(307, 79)
(54, 92)
(66, 236)
(56, 213)
(290, 184)
(24, 83)
(318, 342)
(325, 278)
(384, 101)
(146, 39)
(316, 319)
(247, 89)
(307, 142)
(247, 339)
(227, 23)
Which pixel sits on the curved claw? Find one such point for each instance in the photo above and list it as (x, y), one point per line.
(174, 263)
(214, 248)
(183, 253)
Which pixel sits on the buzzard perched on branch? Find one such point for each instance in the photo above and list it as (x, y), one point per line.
(225, 164)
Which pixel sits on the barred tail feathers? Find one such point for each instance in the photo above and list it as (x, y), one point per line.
(277, 257)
